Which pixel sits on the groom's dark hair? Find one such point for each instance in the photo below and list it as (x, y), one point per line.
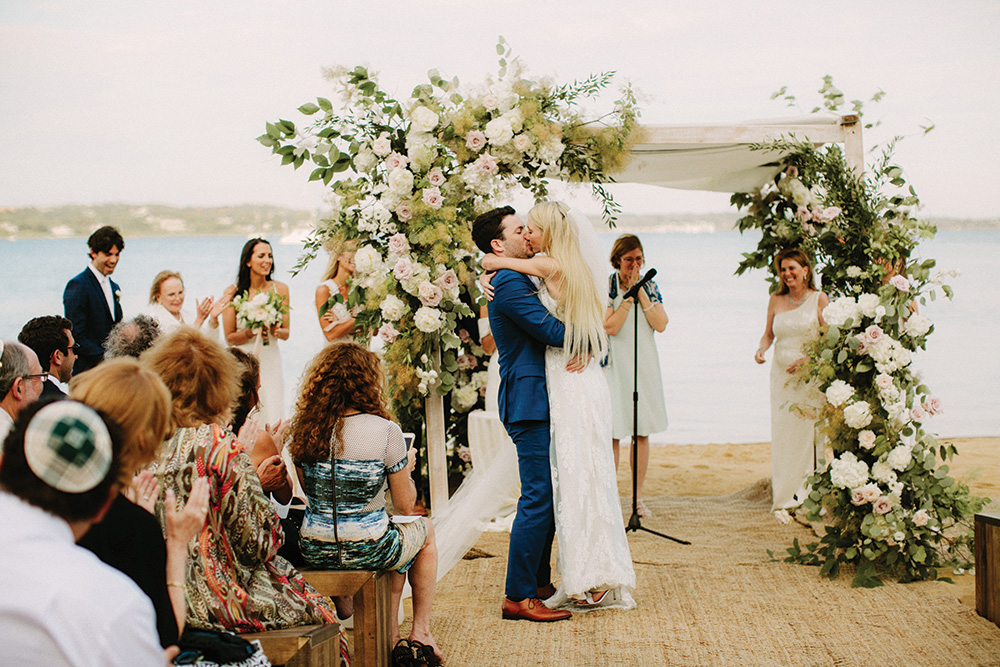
(489, 226)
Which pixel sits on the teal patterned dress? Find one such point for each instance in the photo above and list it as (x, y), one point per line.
(364, 539)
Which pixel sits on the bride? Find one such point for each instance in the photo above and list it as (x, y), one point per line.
(594, 560)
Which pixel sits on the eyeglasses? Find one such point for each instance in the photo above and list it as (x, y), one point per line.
(75, 347)
(38, 376)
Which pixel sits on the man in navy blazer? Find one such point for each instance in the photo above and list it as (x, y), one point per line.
(92, 301)
(522, 328)
(50, 337)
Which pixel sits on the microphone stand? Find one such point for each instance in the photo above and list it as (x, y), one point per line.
(635, 522)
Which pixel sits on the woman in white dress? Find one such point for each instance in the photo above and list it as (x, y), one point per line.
(166, 300)
(254, 277)
(335, 319)
(794, 315)
(594, 560)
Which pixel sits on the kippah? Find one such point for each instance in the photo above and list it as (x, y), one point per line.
(67, 445)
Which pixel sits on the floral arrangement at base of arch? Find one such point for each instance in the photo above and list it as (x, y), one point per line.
(886, 500)
(407, 178)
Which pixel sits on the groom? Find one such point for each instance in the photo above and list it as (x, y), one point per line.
(522, 328)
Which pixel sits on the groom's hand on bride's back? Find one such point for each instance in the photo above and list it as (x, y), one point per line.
(578, 363)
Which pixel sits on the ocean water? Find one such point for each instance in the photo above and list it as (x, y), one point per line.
(713, 389)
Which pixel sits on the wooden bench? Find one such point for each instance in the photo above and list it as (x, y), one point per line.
(372, 592)
(302, 646)
(988, 566)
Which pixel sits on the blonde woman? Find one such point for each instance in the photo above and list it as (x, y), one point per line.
(594, 560)
(336, 323)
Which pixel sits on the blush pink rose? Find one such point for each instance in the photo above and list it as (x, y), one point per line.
(436, 177)
(475, 140)
(900, 283)
(447, 280)
(403, 270)
(882, 505)
(934, 406)
(432, 197)
(404, 211)
(429, 294)
(486, 164)
(874, 333)
(463, 334)
(398, 244)
(396, 161)
(920, 518)
(387, 332)
(858, 497)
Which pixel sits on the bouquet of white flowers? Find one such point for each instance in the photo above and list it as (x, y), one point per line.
(261, 312)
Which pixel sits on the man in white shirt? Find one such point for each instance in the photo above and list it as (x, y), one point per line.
(21, 379)
(60, 604)
(51, 338)
(92, 301)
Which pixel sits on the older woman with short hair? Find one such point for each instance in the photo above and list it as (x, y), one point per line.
(235, 579)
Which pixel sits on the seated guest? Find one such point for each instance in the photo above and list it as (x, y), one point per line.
(236, 580)
(129, 538)
(61, 605)
(131, 337)
(51, 338)
(21, 379)
(166, 300)
(347, 451)
(263, 450)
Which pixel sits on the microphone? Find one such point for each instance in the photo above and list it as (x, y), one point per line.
(633, 291)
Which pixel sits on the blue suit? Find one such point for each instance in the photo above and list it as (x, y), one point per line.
(86, 307)
(522, 328)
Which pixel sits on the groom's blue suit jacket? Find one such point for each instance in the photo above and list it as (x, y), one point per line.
(522, 328)
(86, 307)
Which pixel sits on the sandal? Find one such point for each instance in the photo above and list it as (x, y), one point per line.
(425, 654)
(403, 655)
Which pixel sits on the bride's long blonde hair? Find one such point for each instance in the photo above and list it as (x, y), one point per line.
(580, 306)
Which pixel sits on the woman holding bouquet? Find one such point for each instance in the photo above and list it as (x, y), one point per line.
(335, 319)
(257, 319)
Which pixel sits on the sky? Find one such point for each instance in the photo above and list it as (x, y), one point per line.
(105, 101)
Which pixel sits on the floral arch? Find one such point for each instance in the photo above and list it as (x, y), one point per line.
(406, 179)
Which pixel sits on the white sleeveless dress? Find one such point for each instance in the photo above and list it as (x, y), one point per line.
(794, 406)
(593, 551)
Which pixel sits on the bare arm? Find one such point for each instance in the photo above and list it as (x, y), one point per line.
(614, 318)
(232, 335)
(539, 266)
(402, 487)
(282, 331)
(768, 337)
(181, 527)
(332, 329)
(654, 312)
(824, 301)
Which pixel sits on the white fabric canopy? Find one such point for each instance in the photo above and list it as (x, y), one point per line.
(718, 157)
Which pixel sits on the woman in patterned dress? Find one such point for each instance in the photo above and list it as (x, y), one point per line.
(235, 579)
(348, 452)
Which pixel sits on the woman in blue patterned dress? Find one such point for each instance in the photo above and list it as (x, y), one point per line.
(348, 452)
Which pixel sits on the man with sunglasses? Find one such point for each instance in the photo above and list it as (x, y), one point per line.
(21, 379)
(51, 338)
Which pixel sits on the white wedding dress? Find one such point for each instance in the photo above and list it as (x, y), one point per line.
(593, 552)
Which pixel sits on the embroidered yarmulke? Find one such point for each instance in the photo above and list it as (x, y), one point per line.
(68, 446)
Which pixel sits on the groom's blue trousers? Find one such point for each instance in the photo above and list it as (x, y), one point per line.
(529, 556)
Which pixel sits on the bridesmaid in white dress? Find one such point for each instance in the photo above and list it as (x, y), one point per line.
(794, 315)
(336, 326)
(256, 269)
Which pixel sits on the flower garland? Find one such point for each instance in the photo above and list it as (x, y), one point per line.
(406, 180)
(888, 503)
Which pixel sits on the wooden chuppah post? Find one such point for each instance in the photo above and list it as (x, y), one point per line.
(854, 150)
(437, 462)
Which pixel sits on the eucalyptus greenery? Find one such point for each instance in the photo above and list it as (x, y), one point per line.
(886, 500)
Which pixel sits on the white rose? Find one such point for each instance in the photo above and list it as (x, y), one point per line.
(858, 415)
(870, 492)
(899, 458)
(490, 102)
(550, 151)
(883, 381)
(427, 319)
(392, 308)
(920, 518)
(916, 325)
(365, 161)
(523, 143)
(367, 260)
(423, 119)
(401, 181)
(883, 472)
(398, 245)
(382, 146)
(498, 131)
(838, 311)
(854, 272)
(867, 303)
(839, 392)
(866, 439)
(464, 398)
(847, 472)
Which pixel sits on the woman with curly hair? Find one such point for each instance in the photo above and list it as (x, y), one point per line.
(347, 452)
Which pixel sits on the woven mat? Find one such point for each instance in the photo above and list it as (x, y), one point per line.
(719, 601)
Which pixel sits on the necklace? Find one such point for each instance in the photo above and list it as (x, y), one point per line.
(799, 301)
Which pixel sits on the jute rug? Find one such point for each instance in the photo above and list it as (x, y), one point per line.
(719, 601)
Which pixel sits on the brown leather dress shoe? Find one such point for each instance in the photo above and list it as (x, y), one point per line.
(546, 591)
(532, 609)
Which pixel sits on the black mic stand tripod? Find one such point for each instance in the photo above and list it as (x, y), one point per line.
(635, 521)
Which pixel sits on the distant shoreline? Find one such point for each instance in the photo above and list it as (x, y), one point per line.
(153, 220)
